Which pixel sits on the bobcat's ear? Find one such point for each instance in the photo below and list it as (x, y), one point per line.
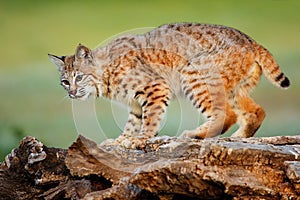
(82, 52)
(58, 61)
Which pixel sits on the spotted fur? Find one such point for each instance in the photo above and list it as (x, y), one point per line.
(214, 67)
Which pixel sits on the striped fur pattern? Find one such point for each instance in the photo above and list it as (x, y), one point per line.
(214, 67)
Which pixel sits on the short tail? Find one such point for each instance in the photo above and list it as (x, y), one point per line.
(270, 68)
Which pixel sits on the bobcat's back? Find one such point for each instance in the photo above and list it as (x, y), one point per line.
(216, 39)
(175, 45)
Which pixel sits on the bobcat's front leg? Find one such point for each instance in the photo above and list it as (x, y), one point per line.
(154, 101)
(133, 125)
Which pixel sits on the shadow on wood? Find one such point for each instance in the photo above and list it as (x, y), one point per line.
(168, 168)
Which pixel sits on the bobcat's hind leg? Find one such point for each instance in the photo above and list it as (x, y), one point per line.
(230, 119)
(214, 126)
(209, 98)
(219, 124)
(250, 117)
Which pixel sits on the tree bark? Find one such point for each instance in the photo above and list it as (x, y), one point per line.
(168, 168)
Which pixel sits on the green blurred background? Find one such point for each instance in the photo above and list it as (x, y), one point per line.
(32, 101)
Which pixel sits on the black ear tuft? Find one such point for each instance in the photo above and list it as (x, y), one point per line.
(59, 61)
(62, 58)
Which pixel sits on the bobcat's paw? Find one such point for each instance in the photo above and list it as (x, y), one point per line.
(108, 142)
(193, 134)
(137, 142)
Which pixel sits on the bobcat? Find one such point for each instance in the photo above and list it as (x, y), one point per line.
(215, 67)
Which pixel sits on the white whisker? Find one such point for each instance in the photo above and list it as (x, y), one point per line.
(63, 99)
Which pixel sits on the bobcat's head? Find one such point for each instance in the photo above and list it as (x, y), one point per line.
(77, 73)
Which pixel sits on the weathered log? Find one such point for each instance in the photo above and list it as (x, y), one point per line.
(168, 168)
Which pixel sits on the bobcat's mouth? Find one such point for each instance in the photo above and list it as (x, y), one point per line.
(77, 96)
(83, 95)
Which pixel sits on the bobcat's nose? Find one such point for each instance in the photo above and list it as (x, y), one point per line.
(72, 93)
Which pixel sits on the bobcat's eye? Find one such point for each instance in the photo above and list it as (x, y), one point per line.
(65, 83)
(79, 78)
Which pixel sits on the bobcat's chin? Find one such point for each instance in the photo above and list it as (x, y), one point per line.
(81, 97)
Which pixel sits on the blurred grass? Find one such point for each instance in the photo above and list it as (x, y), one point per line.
(32, 102)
